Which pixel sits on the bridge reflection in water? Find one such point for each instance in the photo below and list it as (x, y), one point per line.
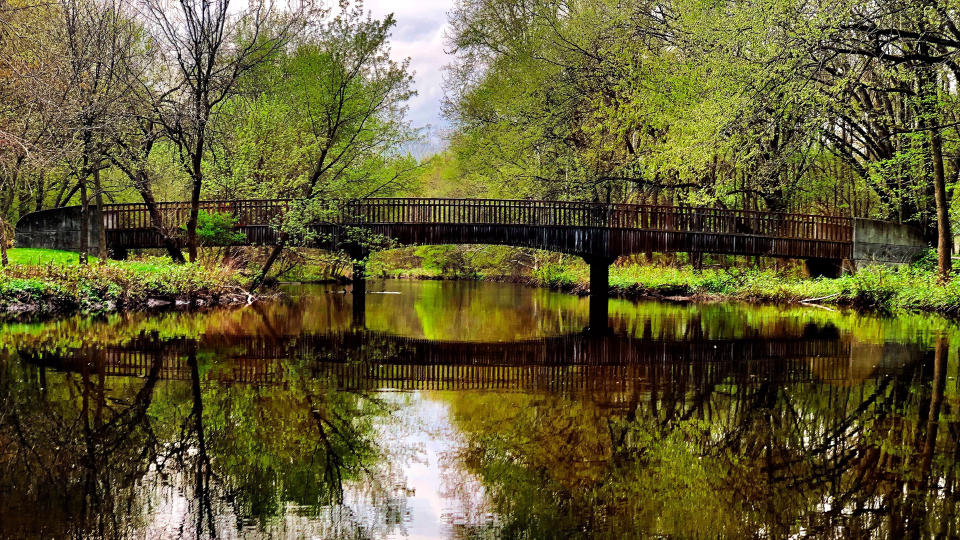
(612, 364)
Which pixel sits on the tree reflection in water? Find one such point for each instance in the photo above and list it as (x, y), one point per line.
(680, 421)
(93, 455)
(740, 459)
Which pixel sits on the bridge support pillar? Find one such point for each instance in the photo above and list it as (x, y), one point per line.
(599, 292)
(359, 294)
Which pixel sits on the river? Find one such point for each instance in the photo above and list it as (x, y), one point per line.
(479, 410)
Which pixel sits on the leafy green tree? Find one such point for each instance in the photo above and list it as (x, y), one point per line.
(344, 99)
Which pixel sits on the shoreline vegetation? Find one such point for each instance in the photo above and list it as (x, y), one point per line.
(40, 283)
(878, 289)
(877, 293)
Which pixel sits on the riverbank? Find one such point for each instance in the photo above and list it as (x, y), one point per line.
(877, 289)
(41, 283)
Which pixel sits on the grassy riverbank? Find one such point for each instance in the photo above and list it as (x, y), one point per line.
(46, 282)
(907, 288)
(41, 282)
(872, 288)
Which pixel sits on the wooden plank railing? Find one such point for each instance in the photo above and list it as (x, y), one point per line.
(176, 214)
(509, 212)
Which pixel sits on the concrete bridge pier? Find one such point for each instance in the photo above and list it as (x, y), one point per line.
(599, 292)
(359, 293)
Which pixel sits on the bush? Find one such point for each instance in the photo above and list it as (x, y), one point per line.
(874, 288)
(554, 274)
(217, 229)
(927, 261)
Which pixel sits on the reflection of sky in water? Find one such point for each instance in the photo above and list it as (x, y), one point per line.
(419, 491)
(439, 494)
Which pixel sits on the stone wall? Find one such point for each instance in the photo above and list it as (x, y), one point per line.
(58, 228)
(884, 242)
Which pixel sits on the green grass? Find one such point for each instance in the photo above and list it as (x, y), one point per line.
(44, 282)
(875, 288)
(43, 256)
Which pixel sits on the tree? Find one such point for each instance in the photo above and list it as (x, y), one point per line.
(913, 43)
(31, 101)
(786, 105)
(208, 47)
(348, 104)
(99, 41)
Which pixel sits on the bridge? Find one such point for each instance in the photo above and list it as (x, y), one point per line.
(598, 232)
(580, 363)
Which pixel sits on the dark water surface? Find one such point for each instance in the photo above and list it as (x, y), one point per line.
(464, 410)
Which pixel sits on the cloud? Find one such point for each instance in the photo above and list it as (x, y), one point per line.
(419, 35)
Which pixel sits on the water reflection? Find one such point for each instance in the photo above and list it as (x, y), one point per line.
(285, 420)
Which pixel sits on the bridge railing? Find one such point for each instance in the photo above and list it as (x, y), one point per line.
(174, 215)
(590, 214)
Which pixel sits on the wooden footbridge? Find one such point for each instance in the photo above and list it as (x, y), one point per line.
(598, 232)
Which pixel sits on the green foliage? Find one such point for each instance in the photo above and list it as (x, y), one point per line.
(217, 229)
(455, 261)
(323, 120)
(927, 261)
(873, 288)
(555, 275)
(445, 261)
(741, 105)
(58, 288)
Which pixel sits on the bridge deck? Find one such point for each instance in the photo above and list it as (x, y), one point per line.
(580, 228)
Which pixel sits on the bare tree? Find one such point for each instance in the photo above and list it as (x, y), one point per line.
(208, 47)
(99, 37)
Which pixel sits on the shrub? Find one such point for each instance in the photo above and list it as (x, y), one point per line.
(874, 288)
(927, 261)
(553, 274)
(217, 229)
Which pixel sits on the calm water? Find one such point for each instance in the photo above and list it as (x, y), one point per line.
(454, 410)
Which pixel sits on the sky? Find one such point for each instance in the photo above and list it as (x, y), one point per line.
(419, 35)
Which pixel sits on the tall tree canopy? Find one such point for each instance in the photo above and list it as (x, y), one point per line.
(150, 100)
(787, 105)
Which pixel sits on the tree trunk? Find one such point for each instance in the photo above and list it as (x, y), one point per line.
(102, 232)
(944, 230)
(84, 221)
(196, 173)
(41, 191)
(3, 243)
(192, 221)
(62, 197)
(272, 258)
(156, 219)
